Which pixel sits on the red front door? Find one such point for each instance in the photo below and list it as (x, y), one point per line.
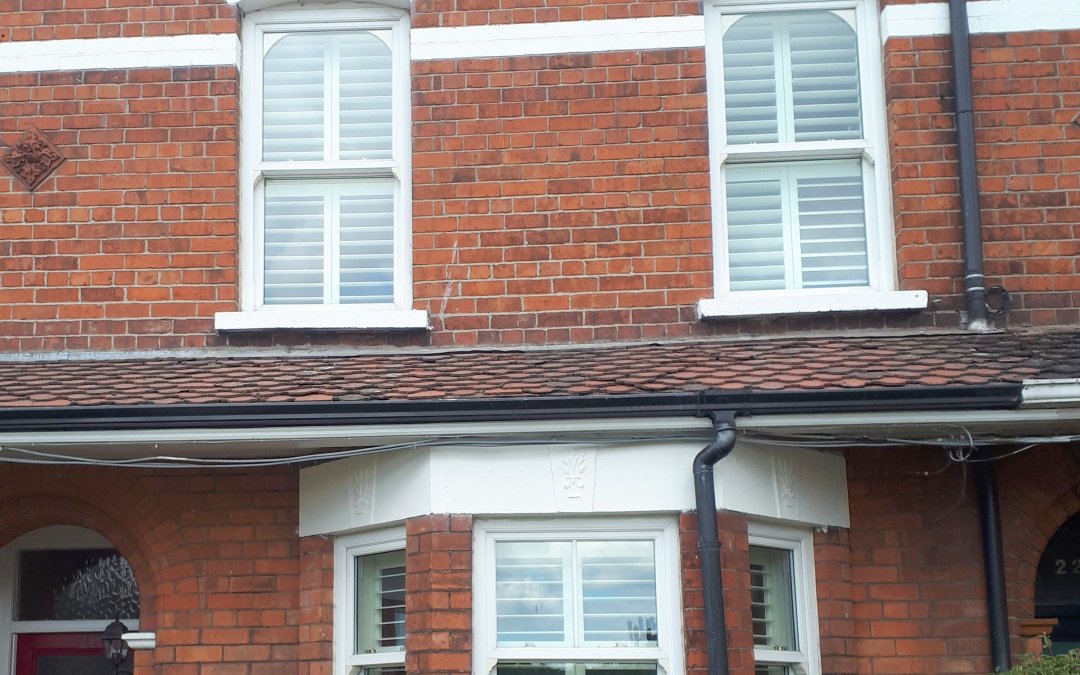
(60, 654)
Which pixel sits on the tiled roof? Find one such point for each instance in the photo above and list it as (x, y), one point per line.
(796, 364)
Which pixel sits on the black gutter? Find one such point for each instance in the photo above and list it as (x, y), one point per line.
(974, 282)
(695, 404)
(994, 565)
(712, 590)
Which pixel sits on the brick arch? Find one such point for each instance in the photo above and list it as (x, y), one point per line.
(128, 518)
(1039, 493)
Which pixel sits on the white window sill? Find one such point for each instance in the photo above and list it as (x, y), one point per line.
(322, 318)
(815, 302)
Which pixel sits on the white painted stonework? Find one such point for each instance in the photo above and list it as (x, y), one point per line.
(790, 484)
(984, 16)
(173, 51)
(558, 37)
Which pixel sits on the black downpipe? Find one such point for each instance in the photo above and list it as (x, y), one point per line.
(974, 282)
(994, 564)
(712, 589)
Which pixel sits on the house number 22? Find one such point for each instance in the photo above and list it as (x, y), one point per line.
(1067, 566)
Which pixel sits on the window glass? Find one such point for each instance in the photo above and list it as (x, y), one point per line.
(588, 592)
(68, 585)
(801, 225)
(772, 599)
(380, 612)
(576, 669)
(791, 77)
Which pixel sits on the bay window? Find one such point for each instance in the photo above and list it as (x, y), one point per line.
(369, 601)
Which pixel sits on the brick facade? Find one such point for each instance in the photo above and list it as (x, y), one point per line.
(557, 199)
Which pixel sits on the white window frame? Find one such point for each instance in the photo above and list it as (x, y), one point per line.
(871, 150)
(347, 548)
(668, 654)
(800, 543)
(253, 315)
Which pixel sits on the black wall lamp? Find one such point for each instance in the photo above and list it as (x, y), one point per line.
(116, 650)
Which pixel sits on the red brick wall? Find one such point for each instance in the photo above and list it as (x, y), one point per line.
(25, 20)
(131, 244)
(1028, 164)
(917, 595)
(556, 199)
(428, 13)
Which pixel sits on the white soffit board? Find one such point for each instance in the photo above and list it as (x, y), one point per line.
(984, 16)
(558, 37)
(172, 51)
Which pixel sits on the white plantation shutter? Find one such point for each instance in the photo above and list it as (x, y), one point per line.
(750, 93)
(328, 98)
(294, 99)
(294, 242)
(791, 77)
(380, 603)
(832, 228)
(793, 221)
(799, 225)
(365, 91)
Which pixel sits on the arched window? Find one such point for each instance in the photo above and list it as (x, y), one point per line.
(59, 587)
(1057, 585)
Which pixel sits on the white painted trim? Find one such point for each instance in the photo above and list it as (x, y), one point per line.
(662, 530)
(349, 318)
(984, 16)
(793, 302)
(174, 51)
(346, 549)
(140, 640)
(800, 542)
(558, 37)
(1051, 393)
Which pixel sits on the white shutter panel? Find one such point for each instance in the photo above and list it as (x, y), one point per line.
(824, 78)
(750, 101)
(618, 591)
(294, 98)
(755, 230)
(832, 226)
(294, 219)
(366, 242)
(530, 590)
(365, 91)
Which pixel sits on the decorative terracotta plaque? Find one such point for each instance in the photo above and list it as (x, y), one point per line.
(32, 159)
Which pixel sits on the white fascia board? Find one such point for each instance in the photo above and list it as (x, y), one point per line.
(168, 51)
(756, 304)
(1063, 393)
(984, 16)
(558, 37)
(322, 319)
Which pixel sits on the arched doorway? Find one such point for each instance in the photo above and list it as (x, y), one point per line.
(1057, 585)
(59, 587)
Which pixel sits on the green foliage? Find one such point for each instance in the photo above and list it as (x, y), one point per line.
(1049, 664)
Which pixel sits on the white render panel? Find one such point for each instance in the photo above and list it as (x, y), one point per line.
(558, 37)
(366, 490)
(984, 16)
(174, 51)
(789, 484)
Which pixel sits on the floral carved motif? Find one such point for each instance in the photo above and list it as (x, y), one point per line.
(32, 159)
